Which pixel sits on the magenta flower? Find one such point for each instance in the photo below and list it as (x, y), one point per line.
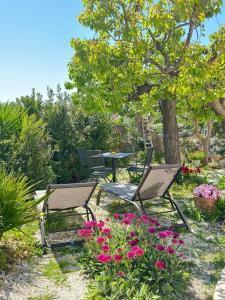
(101, 240)
(133, 242)
(207, 191)
(138, 251)
(126, 221)
(109, 236)
(165, 234)
(175, 241)
(160, 247)
(118, 258)
(159, 264)
(120, 274)
(86, 233)
(104, 258)
(105, 247)
(151, 229)
(100, 224)
(181, 242)
(106, 230)
(131, 254)
(116, 216)
(170, 250)
(132, 233)
(90, 224)
(130, 215)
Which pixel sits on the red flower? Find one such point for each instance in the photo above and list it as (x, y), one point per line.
(120, 250)
(106, 230)
(120, 274)
(160, 264)
(151, 229)
(100, 240)
(107, 219)
(86, 233)
(132, 233)
(116, 216)
(131, 254)
(100, 224)
(175, 241)
(105, 247)
(109, 236)
(181, 242)
(118, 258)
(133, 242)
(170, 250)
(104, 258)
(197, 170)
(160, 247)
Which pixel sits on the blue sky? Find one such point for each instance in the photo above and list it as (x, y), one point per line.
(35, 43)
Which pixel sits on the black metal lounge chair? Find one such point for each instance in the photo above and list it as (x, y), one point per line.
(155, 183)
(63, 197)
(139, 170)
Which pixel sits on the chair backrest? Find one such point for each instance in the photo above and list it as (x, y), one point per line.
(94, 161)
(66, 196)
(156, 181)
(82, 153)
(148, 157)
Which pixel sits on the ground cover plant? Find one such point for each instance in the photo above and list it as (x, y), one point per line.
(129, 254)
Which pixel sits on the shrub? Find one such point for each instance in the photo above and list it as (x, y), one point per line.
(128, 254)
(16, 206)
(198, 155)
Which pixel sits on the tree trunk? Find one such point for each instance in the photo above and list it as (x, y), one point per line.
(170, 132)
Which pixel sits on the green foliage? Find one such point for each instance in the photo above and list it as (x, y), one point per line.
(53, 270)
(32, 104)
(198, 155)
(221, 183)
(31, 152)
(17, 206)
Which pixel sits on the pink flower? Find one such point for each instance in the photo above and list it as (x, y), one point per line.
(118, 258)
(160, 247)
(90, 224)
(131, 254)
(86, 233)
(181, 255)
(160, 264)
(126, 221)
(105, 247)
(138, 251)
(107, 219)
(176, 234)
(175, 241)
(132, 233)
(151, 229)
(109, 236)
(155, 222)
(181, 242)
(170, 250)
(106, 230)
(120, 274)
(100, 224)
(133, 242)
(104, 258)
(165, 234)
(120, 249)
(116, 216)
(100, 240)
(130, 215)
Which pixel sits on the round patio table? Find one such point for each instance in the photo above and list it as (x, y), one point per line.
(114, 156)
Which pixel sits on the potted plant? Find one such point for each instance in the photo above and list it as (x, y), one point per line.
(206, 196)
(196, 158)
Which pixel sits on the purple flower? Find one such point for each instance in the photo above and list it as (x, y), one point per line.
(207, 191)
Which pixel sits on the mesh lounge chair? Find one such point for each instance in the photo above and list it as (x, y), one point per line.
(63, 197)
(139, 170)
(154, 184)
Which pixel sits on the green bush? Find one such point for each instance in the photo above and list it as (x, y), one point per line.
(198, 155)
(17, 207)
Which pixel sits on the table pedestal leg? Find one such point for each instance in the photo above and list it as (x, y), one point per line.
(114, 169)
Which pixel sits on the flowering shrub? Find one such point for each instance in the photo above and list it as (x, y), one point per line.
(128, 254)
(207, 191)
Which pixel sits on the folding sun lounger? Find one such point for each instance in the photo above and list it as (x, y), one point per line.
(155, 183)
(63, 197)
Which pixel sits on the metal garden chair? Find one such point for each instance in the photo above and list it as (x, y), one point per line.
(155, 183)
(62, 198)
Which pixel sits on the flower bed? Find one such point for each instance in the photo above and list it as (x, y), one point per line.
(129, 258)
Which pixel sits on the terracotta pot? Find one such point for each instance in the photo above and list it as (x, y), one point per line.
(205, 205)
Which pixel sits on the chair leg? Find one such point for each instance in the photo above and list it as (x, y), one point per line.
(181, 215)
(43, 237)
(99, 196)
(91, 212)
